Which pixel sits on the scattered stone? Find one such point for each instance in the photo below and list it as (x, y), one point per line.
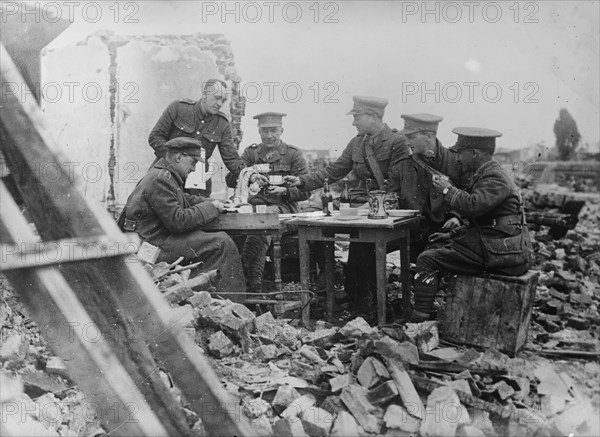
(436, 423)
(49, 410)
(317, 422)
(255, 408)
(469, 431)
(219, 345)
(446, 353)
(284, 396)
(405, 351)
(406, 389)
(289, 428)
(333, 404)
(580, 298)
(346, 425)
(339, 382)
(37, 383)
(310, 354)
(396, 417)
(200, 299)
(263, 321)
(371, 372)
(578, 323)
(383, 393)
(460, 385)
(503, 389)
(357, 328)
(56, 366)
(425, 335)
(299, 406)
(14, 346)
(355, 399)
(552, 405)
(266, 352)
(261, 427)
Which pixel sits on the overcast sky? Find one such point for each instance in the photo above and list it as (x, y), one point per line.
(509, 66)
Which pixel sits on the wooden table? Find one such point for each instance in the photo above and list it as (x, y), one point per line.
(253, 224)
(359, 230)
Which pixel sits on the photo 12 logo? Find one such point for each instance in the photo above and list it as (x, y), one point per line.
(469, 12)
(269, 12)
(290, 92)
(469, 92)
(53, 12)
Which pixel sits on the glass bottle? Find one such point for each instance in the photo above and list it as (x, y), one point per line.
(345, 197)
(326, 198)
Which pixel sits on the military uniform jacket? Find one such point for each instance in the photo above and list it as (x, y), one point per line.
(161, 208)
(492, 202)
(413, 182)
(183, 118)
(285, 160)
(388, 146)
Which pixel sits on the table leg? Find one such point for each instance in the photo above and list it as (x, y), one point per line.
(405, 274)
(277, 260)
(304, 253)
(329, 276)
(381, 274)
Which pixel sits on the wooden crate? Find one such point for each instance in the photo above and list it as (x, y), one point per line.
(244, 222)
(489, 311)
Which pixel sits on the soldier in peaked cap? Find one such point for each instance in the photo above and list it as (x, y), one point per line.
(202, 120)
(283, 160)
(493, 206)
(165, 216)
(411, 178)
(368, 155)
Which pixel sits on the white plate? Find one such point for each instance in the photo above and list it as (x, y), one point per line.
(403, 212)
(346, 218)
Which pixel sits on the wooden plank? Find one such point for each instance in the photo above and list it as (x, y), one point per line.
(119, 296)
(243, 222)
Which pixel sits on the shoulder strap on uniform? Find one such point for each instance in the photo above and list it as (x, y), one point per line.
(188, 101)
(373, 162)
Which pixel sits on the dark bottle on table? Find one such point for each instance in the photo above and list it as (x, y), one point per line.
(345, 197)
(326, 198)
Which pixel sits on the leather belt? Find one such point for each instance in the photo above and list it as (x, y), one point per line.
(503, 220)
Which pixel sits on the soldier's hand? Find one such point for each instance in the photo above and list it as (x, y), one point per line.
(452, 223)
(261, 179)
(219, 205)
(276, 191)
(439, 237)
(291, 181)
(440, 183)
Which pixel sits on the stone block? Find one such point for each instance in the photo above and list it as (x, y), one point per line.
(371, 372)
(266, 352)
(220, 345)
(396, 417)
(317, 422)
(355, 399)
(285, 395)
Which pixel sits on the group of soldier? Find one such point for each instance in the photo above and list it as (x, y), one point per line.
(472, 217)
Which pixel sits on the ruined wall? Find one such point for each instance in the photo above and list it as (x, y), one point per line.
(138, 77)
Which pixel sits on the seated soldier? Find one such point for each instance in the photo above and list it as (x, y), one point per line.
(165, 216)
(283, 160)
(496, 239)
(411, 178)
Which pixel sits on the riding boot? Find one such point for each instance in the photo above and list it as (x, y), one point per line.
(253, 261)
(426, 285)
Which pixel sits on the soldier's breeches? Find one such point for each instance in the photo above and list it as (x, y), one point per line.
(216, 250)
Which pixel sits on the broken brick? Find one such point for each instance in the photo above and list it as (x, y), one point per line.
(383, 393)
(220, 345)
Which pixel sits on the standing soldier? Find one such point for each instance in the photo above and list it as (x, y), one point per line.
(496, 240)
(369, 154)
(203, 121)
(283, 160)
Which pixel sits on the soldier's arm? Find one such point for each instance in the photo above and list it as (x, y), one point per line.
(247, 158)
(162, 197)
(334, 172)
(161, 130)
(489, 192)
(299, 168)
(229, 153)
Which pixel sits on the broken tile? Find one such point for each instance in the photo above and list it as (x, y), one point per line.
(220, 345)
(383, 393)
(339, 382)
(317, 422)
(355, 399)
(345, 425)
(284, 396)
(371, 372)
(396, 417)
(444, 413)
